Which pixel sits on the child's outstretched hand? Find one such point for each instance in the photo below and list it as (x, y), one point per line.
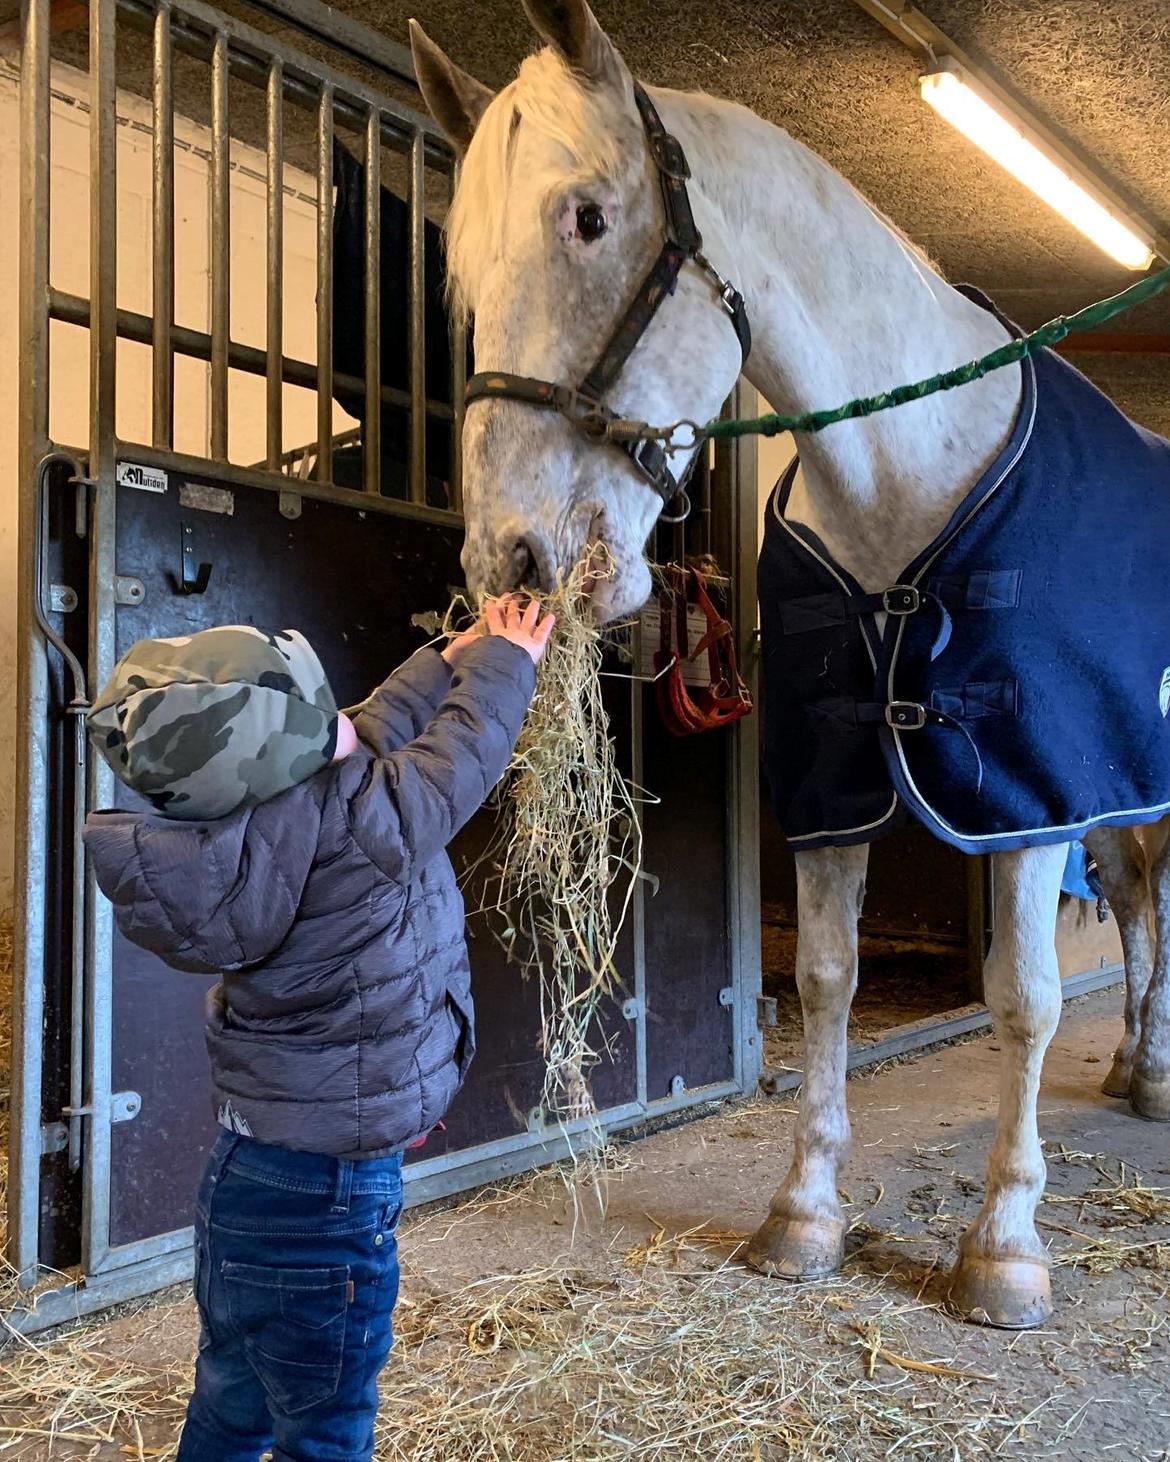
(523, 625)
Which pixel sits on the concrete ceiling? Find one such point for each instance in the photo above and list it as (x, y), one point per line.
(1098, 74)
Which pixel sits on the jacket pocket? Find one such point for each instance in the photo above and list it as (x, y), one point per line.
(292, 1322)
(462, 1013)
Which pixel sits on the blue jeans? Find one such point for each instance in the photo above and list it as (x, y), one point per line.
(296, 1274)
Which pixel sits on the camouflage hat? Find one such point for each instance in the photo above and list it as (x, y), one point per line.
(222, 719)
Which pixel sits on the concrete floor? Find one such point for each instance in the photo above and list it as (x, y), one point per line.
(1099, 1373)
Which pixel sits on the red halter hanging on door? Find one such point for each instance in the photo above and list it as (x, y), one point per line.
(726, 698)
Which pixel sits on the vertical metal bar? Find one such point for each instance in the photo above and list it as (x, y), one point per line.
(79, 702)
(372, 426)
(103, 266)
(718, 510)
(163, 232)
(418, 323)
(24, 1135)
(735, 492)
(220, 247)
(77, 943)
(638, 907)
(325, 284)
(103, 234)
(274, 336)
(707, 528)
(458, 387)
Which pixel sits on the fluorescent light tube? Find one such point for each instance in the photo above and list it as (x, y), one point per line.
(955, 97)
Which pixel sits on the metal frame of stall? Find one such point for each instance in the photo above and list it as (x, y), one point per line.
(110, 1273)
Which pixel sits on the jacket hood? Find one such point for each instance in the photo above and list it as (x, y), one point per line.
(207, 897)
(207, 723)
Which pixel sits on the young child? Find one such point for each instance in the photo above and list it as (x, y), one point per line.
(301, 858)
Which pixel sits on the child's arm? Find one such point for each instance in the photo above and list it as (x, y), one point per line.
(406, 807)
(403, 705)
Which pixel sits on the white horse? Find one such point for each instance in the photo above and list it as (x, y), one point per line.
(557, 218)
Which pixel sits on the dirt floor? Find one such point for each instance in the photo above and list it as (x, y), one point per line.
(526, 1336)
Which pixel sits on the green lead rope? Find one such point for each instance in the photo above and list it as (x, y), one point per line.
(1047, 335)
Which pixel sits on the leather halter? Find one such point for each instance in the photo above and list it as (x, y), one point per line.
(584, 405)
(725, 698)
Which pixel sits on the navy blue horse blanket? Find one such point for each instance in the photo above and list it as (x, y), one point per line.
(1020, 691)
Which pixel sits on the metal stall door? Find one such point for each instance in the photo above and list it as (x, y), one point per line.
(702, 925)
(351, 582)
(346, 537)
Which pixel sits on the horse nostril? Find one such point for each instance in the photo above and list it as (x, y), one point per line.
(525, 565)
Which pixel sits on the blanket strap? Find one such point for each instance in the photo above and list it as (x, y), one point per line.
(914, 716)
(822, 611)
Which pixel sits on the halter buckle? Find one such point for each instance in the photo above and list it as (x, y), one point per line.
(727, 292)
(590, 416)
(669, 156)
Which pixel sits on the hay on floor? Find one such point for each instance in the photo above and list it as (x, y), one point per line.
(664, 1347)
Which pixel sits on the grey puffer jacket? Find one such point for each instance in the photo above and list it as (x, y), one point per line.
(344, 1021)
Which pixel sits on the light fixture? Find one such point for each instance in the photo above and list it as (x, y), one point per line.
(958, 98)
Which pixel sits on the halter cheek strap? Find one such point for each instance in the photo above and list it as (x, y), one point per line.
(585, 405)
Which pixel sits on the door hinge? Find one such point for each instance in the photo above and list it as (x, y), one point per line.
(727, 996)
(766, 1015)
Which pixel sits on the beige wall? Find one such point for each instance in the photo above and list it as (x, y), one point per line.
(69, 346)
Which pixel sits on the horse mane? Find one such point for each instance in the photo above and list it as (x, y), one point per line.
(547, 97)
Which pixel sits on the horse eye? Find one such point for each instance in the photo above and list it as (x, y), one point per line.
(590, 222)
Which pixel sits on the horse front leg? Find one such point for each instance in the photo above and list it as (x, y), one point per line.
(1149, 1088)
(1121, 864)
(1001, 1277)
(803, 1235)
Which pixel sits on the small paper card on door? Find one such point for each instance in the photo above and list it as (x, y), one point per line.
(694, 672)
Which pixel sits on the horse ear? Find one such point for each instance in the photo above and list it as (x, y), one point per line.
(456, 100)
(571, 28)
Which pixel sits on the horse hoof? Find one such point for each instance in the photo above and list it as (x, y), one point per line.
(1150, 1097)
(1011, 1294)
(1116, 1084)
(786, 1248)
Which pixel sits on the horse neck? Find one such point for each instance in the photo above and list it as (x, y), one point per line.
(842, 306)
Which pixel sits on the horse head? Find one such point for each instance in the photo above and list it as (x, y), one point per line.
(558, 218)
